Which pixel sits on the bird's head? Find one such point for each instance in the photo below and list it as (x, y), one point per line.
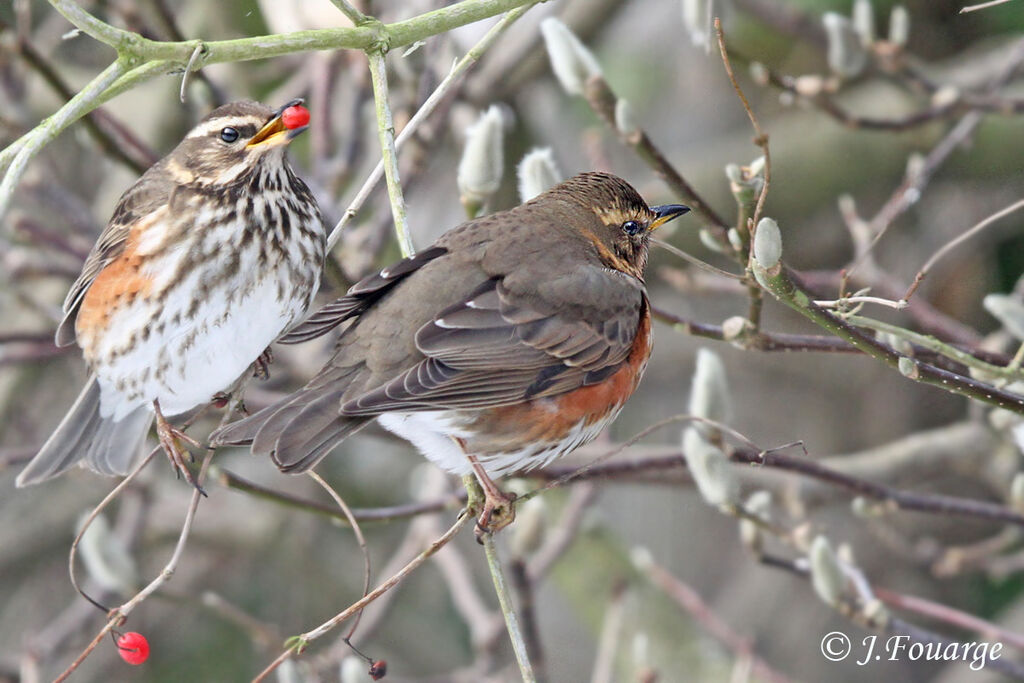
(235, 140)
(615, 218)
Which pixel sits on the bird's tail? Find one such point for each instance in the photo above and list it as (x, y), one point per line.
(105, 446)
(298, 431)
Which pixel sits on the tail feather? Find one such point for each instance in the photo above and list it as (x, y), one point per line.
(116, 444)
(311, 432)
(105, 446)
(296, 432)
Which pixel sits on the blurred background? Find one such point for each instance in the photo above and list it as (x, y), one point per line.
(632, 576)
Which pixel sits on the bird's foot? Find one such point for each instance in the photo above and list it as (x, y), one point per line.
(498, 512)
(170, 440)
(497, 508)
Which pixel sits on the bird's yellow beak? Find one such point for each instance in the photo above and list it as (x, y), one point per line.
(275, 133)
(272, 134)
(666, 212)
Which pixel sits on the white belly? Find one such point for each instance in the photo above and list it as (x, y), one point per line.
(434, 434)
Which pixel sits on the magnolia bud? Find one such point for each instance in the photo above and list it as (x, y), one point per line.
(483, 161)
(537, 173)
(846, 54)
(571, 61)
(767, 243)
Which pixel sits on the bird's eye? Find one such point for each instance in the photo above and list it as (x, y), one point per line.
(632, 227)
(229, 135)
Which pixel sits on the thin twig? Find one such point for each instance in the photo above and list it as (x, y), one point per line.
(524, 588)
(380, 514)
(428, 107)
(117, 616)
(515, 634)
(346, 8)
(602, 100)
(359, 538)
(691, 601)
(839, 303)
(982, 5)
(957, 241)
(188, 69)
(610, 636)
(30, 144)
(300, 642)
(389, 154)
(949, 615)
(761, 139)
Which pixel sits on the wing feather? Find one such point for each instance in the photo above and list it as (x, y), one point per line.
(498, 347)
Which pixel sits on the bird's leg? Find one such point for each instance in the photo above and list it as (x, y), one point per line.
(261, 366)
(169, 436)
(498, 510)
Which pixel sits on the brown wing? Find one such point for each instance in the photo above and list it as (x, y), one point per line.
(359, 297)
(146, 196)
(500, 346)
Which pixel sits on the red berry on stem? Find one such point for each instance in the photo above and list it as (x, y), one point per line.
(295, 117)
(133, 648)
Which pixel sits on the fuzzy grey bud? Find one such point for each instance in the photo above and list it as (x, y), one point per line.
(697, 21)
(641, 558)
(864, 21)
(767, 243)
(736, 327)
(483, 161)
(899, 25)
(709, 241)
(1008, 310)
(827, 575)
(571, 61)
(710, 469)
(1017, 492)
(758, 505)
(537, 173)
(846, 55)
(625, 122)
(759, 73)
(908, 368)
(709, 394)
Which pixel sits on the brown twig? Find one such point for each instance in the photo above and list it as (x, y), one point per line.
(688, 599)
(380, 514)
(761, 138)
(957, 241)
(602, 100)
(523, 587)
(949, 615)
(303, 640)
(354, 523)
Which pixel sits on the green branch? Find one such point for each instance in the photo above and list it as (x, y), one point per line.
(778, 281)
(140, 59)
(389, 154)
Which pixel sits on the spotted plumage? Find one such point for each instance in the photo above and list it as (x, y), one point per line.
(213, 253)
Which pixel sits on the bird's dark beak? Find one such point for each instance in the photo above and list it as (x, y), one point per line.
(666, 212)
(274, 133)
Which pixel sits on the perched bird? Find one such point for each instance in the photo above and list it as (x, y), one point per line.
(208, 257)
(512, 340)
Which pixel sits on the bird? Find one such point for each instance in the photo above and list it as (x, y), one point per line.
(514, 339)
(213, 252)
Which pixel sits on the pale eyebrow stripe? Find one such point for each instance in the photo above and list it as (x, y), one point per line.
(220, 122)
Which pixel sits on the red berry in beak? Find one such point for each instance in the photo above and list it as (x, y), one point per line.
(295, 117)
(133, 648)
